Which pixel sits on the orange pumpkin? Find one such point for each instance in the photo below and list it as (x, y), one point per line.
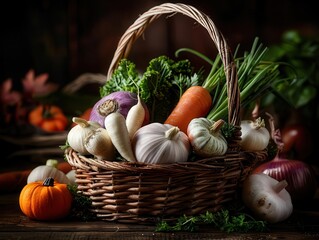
(49, 118)
(48, 200)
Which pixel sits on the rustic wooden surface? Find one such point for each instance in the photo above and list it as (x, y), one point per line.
(303, 224)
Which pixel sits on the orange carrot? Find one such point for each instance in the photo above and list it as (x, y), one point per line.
(13, 181)
(195, 102)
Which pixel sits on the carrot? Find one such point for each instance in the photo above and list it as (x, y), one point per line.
(195, 102)
(13, 181)
(135, 117)
(116, 127)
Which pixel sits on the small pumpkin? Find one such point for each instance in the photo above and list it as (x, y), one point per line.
(49, 118)
(206, 137)
(47, 200)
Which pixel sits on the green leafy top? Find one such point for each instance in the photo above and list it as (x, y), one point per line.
(256, 76)
(160, 86)
(81, 205)
(302, 54)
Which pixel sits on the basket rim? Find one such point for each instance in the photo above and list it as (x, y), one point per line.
(144, 20)
(206, 164)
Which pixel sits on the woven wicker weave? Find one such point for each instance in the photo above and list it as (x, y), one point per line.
(140, 193)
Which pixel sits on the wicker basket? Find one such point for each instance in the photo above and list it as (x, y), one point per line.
(140, 193)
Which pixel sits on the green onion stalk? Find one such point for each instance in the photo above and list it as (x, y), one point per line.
(256, 76)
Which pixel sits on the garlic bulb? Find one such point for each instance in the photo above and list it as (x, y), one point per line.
(158, 143)
(255, 136)
(267, 197)
(79, 132)
(99, 144)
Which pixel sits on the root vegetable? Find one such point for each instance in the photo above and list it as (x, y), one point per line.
(135, 117)
(195, 102)
(116, 127)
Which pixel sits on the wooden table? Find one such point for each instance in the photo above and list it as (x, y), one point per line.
(303, 224)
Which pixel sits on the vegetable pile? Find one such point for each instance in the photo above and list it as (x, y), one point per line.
(171, 113)
(170, 110)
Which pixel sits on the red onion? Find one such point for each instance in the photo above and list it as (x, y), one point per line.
(299, 175)
(301, 178)
(120, 101)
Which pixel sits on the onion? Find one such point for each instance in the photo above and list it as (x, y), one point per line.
(120, 101)
(299, 175)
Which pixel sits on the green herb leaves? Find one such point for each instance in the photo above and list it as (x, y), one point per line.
(81, 205)
(221, 220)
(160, 86)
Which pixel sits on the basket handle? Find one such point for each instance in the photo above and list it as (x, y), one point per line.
(140, 24)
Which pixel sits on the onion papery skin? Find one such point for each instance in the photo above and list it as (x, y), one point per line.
(124, 101)
(300, 176)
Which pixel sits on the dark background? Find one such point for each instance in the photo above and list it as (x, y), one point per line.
(66, 38)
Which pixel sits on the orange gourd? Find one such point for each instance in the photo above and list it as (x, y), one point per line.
(47, 200)
(49, 118)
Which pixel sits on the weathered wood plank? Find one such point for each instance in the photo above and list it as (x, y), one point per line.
(150, 236)
(14, 225)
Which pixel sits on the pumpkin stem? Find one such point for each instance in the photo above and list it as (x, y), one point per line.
(217, 126)
(46, 113)
(48, 182)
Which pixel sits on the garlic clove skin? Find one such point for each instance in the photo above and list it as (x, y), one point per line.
(99, 144)
(77, 134)
(267, 198)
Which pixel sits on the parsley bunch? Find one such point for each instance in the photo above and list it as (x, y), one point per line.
(221, 220)
(160, 86)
